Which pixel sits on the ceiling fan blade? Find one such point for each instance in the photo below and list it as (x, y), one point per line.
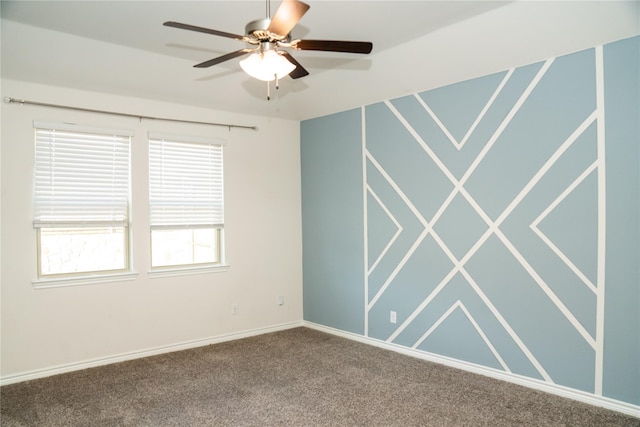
(333, 46)
(299, 70)
(204, 30)
(287, 16)
(223, 58)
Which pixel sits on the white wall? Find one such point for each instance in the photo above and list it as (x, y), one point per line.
(66, 326)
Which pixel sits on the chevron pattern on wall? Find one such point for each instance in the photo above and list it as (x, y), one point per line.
(485, 220)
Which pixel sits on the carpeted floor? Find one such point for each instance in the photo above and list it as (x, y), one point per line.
(298, 377)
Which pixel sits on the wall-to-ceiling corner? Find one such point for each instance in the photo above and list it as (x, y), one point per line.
(497, 217)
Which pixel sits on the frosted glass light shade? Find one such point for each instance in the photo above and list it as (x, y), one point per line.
(266, 65)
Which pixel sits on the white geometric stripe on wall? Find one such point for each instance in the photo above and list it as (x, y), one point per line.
(416, 242)
(395, 235)
(460, 305)
(443, 128)
(460, 251)
(549, 242)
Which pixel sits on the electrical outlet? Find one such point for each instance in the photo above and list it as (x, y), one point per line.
(392, 317)
(235, 309)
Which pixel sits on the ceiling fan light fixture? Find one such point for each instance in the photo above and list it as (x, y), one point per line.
(267, 65)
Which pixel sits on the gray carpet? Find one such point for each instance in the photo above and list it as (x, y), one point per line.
(298, 377)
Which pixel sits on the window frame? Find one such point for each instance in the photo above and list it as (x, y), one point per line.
(218, 251)
(216, 222)
(89, 273)
(74, 220)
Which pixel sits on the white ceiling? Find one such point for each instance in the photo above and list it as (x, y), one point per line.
(121, 47)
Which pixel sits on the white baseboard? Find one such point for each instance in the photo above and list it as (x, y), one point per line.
(581, 396)
(60, 369)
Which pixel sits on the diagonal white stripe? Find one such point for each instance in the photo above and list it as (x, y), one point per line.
(508, 327)
(461, 306)
(548, 242)
(486, 107)
(436, 324)
(547, 165)
(441, 125)
(397, 189)
(398, 268)
(507, 120)
(395, 236)
(547, 290)
(422, 143)
(413, 247)
(424, 303)
(478, 119)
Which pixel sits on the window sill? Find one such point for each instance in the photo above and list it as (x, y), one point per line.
(183, 271)
(83, 280)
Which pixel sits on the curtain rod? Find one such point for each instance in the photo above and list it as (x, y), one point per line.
(10, 100)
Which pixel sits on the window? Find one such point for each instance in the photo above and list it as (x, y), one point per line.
(185, 201)
(81, 200)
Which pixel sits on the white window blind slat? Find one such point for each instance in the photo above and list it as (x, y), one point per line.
(81, 178)
(81, 129)
(185, 183)
(186, 138)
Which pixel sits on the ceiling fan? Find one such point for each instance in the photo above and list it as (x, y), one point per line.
(267, 37)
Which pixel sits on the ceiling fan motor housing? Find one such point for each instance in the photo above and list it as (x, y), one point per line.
(257, 30)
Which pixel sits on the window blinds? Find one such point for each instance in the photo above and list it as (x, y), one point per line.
(81, 176)
(185, 183)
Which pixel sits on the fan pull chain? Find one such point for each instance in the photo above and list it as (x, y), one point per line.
(269, 86)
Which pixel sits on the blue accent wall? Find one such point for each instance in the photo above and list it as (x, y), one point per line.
(333, 222)
(622, 301)
(498, 217)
